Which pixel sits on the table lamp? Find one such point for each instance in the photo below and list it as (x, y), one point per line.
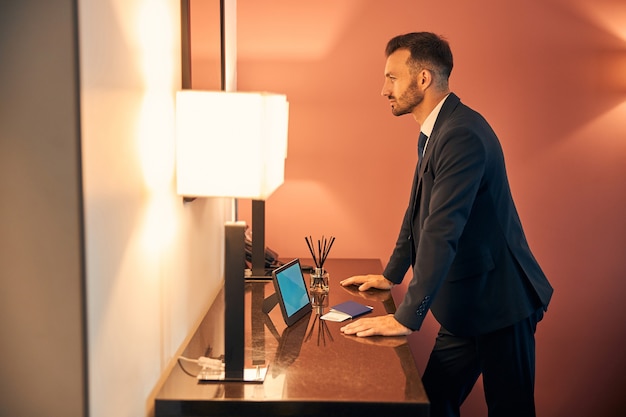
(233, 144)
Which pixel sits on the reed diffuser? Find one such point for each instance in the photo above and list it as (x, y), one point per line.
(319, 276)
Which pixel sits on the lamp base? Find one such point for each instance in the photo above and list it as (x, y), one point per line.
(252, 375)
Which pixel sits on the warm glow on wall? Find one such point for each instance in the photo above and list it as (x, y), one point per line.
(158, 52)
(159, 62)
(267, 35)
(609, 14)
(155, 37)
(613, 70)
(156, 140)
(159, 226)
(156, 153)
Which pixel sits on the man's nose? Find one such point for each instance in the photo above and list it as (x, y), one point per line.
(384, 91)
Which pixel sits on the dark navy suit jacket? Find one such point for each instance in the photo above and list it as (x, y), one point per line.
(461, 234)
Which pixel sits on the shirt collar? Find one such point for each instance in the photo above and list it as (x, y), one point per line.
(429, 122)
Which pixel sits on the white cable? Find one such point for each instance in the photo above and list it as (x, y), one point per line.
(206, 362)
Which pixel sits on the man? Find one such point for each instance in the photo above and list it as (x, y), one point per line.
(463, 238)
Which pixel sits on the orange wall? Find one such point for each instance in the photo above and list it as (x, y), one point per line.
(549, 75)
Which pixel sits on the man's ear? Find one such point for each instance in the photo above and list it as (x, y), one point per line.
(424, 78)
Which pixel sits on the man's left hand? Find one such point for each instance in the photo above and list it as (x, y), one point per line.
(380, 325)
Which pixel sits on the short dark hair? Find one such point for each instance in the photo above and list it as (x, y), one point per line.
(427, 50)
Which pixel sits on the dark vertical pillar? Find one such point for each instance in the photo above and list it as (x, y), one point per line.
(234, 288)
(185, 43)
(258, 238)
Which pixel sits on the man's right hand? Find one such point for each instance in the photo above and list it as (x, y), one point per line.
(365, 282)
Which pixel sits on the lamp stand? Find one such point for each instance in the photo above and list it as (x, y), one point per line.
(258, 241)
(234, 322)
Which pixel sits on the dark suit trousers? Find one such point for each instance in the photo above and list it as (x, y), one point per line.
(506, 359)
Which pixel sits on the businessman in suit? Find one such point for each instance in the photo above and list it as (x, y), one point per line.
(462, 237)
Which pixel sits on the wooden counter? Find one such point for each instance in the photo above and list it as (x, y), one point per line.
(314, 370)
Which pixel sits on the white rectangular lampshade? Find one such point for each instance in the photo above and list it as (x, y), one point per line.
(230, 144)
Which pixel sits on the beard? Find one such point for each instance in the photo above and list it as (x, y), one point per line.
(408, 100)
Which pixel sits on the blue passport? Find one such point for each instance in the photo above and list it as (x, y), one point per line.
(352, 309)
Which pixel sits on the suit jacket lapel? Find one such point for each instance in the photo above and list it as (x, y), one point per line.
(448, 107)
